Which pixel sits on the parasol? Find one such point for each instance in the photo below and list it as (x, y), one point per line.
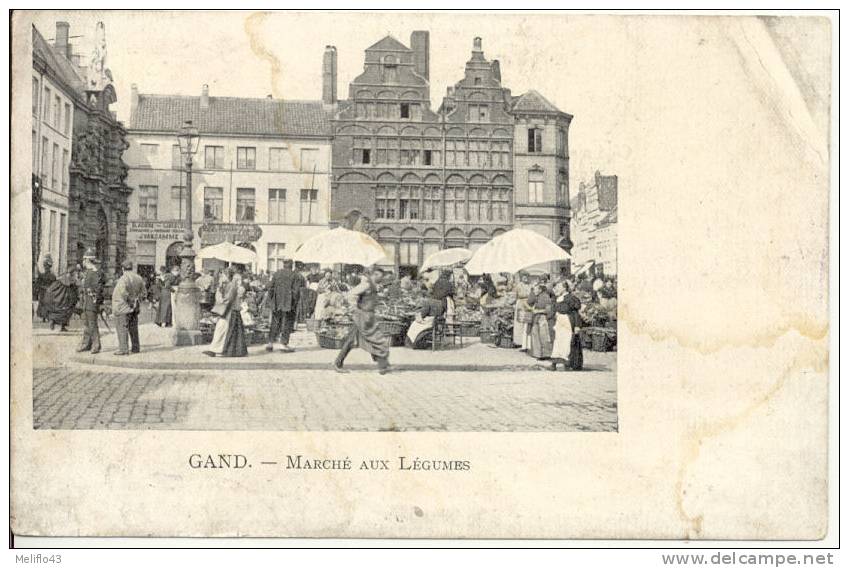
(447, 257)
(228, 252)
(341, 246)
(513, 251)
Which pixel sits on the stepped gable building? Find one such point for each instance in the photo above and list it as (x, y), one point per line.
(421, 180)
(79, 142)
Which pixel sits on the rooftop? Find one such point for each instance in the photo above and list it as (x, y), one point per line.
(232, 115)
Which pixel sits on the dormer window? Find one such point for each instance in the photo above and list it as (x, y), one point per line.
(390, 69)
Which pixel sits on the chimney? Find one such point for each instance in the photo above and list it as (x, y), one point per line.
(496, 70)
(134, 98)
(328, 76)
(477, 45)
(420, 44)
(61, 42)
(204, 97)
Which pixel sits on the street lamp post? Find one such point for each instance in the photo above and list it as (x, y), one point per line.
(187, 298)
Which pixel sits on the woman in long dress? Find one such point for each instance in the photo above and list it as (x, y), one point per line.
(228, 339)
(541, 304)
(567, 348)
(60, 300)
(521, 327)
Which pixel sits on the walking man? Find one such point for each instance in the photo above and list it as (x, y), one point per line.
(126, 303)
(283, 294)
(366, 333)
(92, 298)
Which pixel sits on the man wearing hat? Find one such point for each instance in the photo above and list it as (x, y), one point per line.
(92, 297)
(126, 302)
(283, 294)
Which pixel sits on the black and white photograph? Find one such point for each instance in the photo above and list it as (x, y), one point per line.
(391, 254)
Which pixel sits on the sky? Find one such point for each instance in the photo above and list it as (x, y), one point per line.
(632, 83)
(579, 65)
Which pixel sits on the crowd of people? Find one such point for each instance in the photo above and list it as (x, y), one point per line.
(540, 314)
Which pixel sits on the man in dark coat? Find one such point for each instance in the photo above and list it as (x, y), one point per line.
(92, 299)
(283, 294)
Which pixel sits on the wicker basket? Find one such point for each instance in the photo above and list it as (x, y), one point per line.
(313, 324)
(259, 336)
(504, 341)
(327, 341)
(469, 328)
(393, 328)
(488, 336)
(207, 330)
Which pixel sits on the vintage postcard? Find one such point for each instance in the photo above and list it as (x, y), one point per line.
(326, 274)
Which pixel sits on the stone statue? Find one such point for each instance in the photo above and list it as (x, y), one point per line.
(98, 75)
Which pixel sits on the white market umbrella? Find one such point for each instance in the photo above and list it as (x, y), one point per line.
(513, 251)
(341, 246)
(228, 252)
(447, 257)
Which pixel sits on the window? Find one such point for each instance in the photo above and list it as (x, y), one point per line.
(62, 239)
(432, 152)
(562, 189)
(277, 159)
(176, 158)
(213, 157)
(67, 119)
(309, 159)
(276, 205)
(213, 203)
(477, 80)
(246, 158)
(54, 168)
(384, 203)
(535, 186)
(45, 150)
(387, 151)
(405, 110)
(362, 150)
(148, 197)
(35, 92)
(179, 198)
(51, 233)
(65, 172)
(501, 155)
(561, 142)
(478, 113)
(455, 154)
(534, 140)
(57, 112)
(245, 204)
(45, 112)
(309, 197)
(149, 152)
(276, 256)
(34, 153)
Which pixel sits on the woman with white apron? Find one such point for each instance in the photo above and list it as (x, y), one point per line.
(566, 349)
(219, 336)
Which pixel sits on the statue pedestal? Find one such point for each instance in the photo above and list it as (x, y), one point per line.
(187, 315)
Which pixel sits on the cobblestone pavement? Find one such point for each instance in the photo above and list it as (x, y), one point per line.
(436, 398)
